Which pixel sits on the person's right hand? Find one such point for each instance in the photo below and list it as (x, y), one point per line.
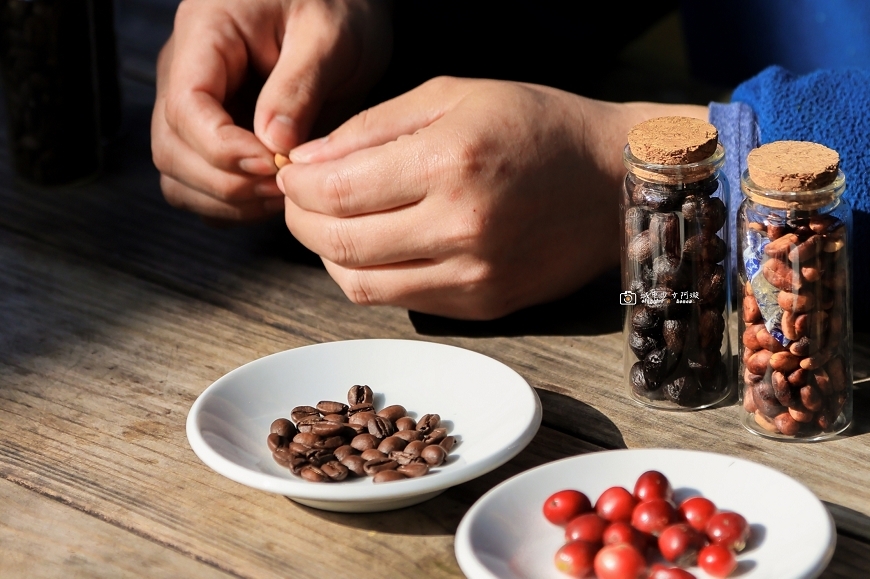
(318, 56)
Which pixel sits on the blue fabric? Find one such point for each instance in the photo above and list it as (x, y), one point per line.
(831, 107)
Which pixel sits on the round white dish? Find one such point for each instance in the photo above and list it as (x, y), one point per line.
(505, 535)
(228, 424)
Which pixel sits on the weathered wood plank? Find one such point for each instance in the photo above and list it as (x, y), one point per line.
(42, 538)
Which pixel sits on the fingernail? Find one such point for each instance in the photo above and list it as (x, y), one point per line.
(303, 153)
(280, 183)
(280, 132)
(274, 204)
(257, 166)
(267, 188)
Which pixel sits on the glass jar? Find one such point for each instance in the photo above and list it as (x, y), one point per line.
(676, 282)
(794, 272)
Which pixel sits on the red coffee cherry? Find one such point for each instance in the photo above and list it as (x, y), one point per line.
(621, 561)
(576, 559)
(653, 516)
(653, 485)
(717, 561)
(565, 505)
(615, 504)
(588, 527)
(680, 544)
(696, 511)
(729, 530)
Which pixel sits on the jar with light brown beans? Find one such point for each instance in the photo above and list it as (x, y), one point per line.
(795, 352)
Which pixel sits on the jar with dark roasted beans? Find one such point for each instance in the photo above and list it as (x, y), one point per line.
(794, 271)
(675, 271)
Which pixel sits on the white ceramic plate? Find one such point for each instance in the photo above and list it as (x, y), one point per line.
(228, 424)
(505, 535)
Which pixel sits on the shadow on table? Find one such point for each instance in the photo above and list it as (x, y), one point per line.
(592, 310)
(558, 438)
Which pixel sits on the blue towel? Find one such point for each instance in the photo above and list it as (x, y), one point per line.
(831, 107)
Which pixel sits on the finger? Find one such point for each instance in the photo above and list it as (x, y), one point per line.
(434, 287)
(208, 63)
(385, 122)
(181, 196)
(313, 54)
(379, 238)
(176, 159)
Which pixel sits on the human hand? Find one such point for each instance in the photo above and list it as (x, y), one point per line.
(466, 198)
(318, 59)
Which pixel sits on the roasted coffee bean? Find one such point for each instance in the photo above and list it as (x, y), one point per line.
(636, 220)
(331, 407)
(448, 443)
(709, 213)
(361, 408)
(646, 320)
(335, 470)
(313, 474)
(307, 438)
(343, 451)
(364, 442)
(307, 423)
(274, 441)
(664, 234)
(332, 442)
(358, 429)
(302, 412)
(393, 413)
(342, 418)
(413, 470)
(684, 391)
(641, 344)
(327, 428)
(409, 435)
(361, 418)
(372, 454)
(415, 448)
(428, 423)
(379, 464)
(640, 248)
(321, 456)
(403, 457)
(380, 427)
(406, 423)
(360, 395)
(434, 455)
(435, 436)
(299, 449)
(355, 464)
(388, 476)
(296, 464)
(391, 443)
(283, 428)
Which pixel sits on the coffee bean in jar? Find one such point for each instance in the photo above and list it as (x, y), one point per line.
(675, 271)
(333, 441)
(794, 271)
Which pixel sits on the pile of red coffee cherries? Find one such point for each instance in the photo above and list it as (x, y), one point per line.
(617, 538)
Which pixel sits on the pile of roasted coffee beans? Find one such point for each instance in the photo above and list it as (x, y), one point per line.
(332, 441)
(673, 268)
(624, 531)
(795, 381)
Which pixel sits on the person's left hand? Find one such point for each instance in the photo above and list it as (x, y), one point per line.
(464, 198)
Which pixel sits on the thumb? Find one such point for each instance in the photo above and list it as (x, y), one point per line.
(308, 65)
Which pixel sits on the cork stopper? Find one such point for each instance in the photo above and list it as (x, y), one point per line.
(793, 166)
(673, 140)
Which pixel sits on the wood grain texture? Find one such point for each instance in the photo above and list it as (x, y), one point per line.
(42, 538)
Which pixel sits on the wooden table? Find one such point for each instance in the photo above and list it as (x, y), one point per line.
(117, 311)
